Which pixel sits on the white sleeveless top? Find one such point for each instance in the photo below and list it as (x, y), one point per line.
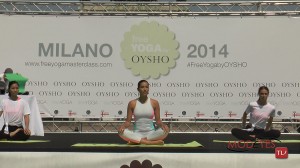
(143, 116)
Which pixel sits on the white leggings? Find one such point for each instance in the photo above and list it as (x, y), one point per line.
(136, 136)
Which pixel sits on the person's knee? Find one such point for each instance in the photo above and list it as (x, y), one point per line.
(166, 133)
(3, 135)
(277, 133)
(26, 137)
(122, 133)
(164, 136)
(20, 136)
(234, 131)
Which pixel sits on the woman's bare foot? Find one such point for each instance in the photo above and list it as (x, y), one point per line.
(132, 143)
(156, 142)
(12, 134)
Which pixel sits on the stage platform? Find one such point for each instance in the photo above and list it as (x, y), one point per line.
(189, 150)
(174, 143)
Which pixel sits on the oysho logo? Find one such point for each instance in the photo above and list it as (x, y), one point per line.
(149, 50)
(281, 152)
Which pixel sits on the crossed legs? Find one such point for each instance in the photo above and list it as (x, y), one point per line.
(15, 133)
(152, 138)
(258, 133)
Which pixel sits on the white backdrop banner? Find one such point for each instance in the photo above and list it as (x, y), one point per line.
(197, 67)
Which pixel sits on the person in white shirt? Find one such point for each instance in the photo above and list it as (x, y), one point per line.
(144, 111)
(261, 118)
(15, 112)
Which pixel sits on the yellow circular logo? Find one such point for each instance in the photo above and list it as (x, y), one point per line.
(149, 50)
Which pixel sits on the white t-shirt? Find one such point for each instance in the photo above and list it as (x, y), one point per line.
(259, 114)
(13, 111)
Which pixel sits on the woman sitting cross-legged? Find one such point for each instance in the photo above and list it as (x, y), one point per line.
(15, 111)
(144, 110)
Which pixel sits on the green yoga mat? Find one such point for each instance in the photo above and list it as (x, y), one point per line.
(193, 144)
(276, 141)
(24, 142)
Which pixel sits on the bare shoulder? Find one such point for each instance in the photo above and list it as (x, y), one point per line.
(154, 102)
(132, 103)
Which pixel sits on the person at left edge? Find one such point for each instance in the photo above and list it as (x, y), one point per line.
(3, 81)
(15, 111)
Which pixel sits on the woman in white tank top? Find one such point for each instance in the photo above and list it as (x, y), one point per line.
(144, 110)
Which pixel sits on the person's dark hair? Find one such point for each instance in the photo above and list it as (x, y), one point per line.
(8, 70)
(141, 81)
(263, 88)
(10, 84)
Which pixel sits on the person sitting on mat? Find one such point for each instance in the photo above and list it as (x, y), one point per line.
(144, 111)
(261, 118)
(14, 109)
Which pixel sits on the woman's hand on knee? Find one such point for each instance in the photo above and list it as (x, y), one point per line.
(165, 128)
(27, 131)
(121, 129)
